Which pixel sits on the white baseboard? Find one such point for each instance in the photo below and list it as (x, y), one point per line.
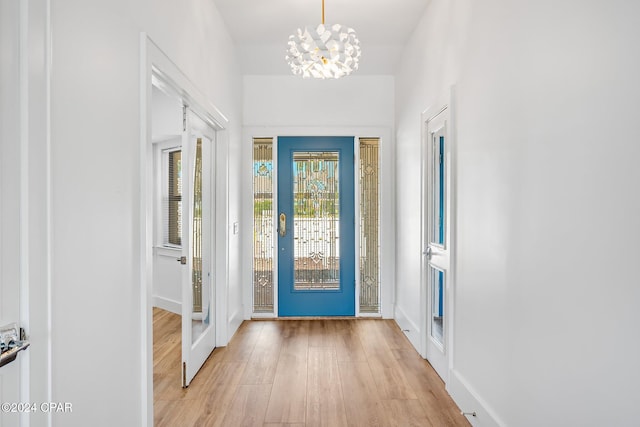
(409, 328)
(235, 320)
(468, 400)
(167, 304)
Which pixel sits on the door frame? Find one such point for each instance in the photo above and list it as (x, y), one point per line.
(157, 68)
(444, 102)
(387, 210)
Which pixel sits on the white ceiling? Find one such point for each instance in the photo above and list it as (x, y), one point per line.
(261, 29)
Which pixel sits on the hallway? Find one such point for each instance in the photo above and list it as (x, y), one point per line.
(301, 373)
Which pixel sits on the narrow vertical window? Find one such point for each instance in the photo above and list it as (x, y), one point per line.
(263, 244)
(173, 209)
(438, 188)
(369, 225)
(196, 239)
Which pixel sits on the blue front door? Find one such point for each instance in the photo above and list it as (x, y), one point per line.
(316, 226)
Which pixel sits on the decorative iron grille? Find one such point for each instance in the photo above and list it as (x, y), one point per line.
(316, 220)
(369, 225)
(263, 227)
(197, 230)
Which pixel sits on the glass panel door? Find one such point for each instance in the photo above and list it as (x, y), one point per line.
(316, 228)
(198, 333)
(437, 175)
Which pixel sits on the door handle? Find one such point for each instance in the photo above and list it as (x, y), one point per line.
(282, 225)
(428, 251)
(12, 341)
(182, 260)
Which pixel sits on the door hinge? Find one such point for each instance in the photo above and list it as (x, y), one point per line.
(184, 118)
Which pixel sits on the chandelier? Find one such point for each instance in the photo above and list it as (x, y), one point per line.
(325, 52)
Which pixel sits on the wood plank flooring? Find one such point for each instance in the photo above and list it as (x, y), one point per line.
(301, 373)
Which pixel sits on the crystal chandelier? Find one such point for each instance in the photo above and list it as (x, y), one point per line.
(325, 52)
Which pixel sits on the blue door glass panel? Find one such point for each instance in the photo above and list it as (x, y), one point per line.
(313, 163)
(441, 191)
(438, 190)
(437, 303)
(440, 294)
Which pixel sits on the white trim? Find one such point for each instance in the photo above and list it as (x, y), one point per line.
(165, 141)
(168, 77)
(235, 320)
(410, 329)
(263, 316)
(453, 224)
(468, 400)
(356, 224)
(146, 235)
(222, 238)
(387, 212)
(168, 304)
(388, 233)
(48, 392)
(23, 181)
(168, 251)
(276, 255)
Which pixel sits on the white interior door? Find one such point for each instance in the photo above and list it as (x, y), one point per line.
(198, 329)
(9, 293)
(437, 238)
(10, 200)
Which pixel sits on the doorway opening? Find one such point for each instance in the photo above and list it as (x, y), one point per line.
(184, 262)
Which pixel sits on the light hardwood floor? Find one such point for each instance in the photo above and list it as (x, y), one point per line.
(294, 373)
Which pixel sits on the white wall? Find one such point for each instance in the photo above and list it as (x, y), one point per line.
(166, 120)
(548, 208)
(276, 105)
(292, 101)
(96, 184)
